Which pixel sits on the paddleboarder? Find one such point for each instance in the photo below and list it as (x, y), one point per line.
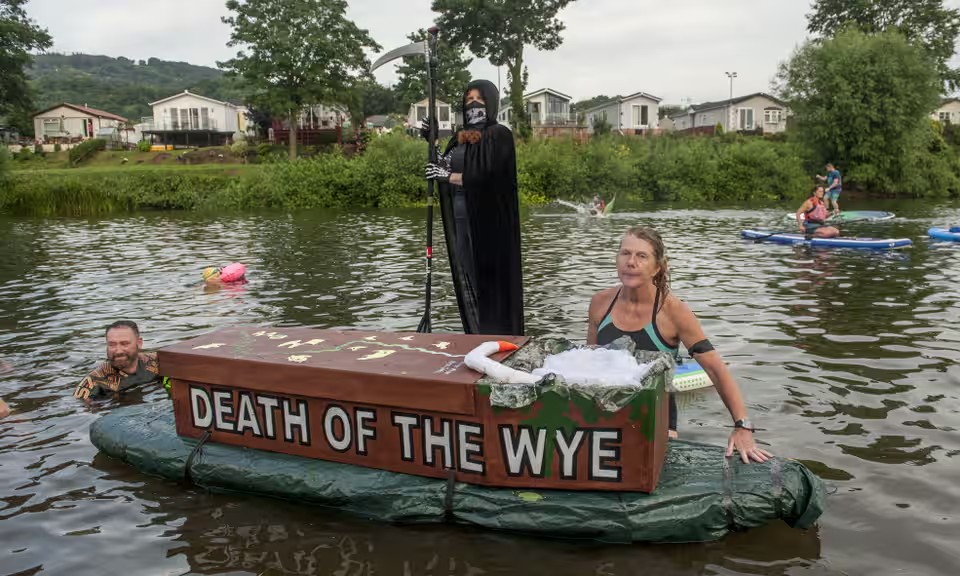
(644, 308)
(812, 215)
(833, 187)
(477, 179)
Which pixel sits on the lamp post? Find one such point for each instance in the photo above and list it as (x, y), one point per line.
(731, 76)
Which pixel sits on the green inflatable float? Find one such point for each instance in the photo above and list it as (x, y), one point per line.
(701, 495)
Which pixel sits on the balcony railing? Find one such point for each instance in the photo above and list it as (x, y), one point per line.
(555, 119)
(167, 125)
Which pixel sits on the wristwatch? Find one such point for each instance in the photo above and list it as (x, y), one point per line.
(745, 424)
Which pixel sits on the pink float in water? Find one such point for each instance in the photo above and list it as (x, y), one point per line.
(229, 273)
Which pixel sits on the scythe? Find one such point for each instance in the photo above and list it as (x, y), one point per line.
(428, 49)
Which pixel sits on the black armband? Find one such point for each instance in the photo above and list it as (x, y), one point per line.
(701, 347)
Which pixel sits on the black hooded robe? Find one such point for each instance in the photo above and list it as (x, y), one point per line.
(481, 224)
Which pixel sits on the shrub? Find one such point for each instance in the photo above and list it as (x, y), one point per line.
(143, 146)
(57, 147)
(86, 149)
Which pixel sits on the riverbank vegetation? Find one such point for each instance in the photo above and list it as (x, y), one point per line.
(389, 174)
(727, 168)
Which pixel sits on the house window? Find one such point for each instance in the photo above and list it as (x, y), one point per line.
(444, 113)
(746, 118)
(534, 109)
(945, 117)
(772, 116)
(205, 118)
(421, 113)
(51, 127)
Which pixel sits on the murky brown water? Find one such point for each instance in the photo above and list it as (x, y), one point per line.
(848, 360)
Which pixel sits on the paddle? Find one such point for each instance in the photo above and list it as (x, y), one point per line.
(807, 234)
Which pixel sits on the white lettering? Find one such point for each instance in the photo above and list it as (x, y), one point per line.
(568, 453)
(522, 454)
(406, 424)
(337, 413)
(363, 431)
(269, 408)
(598, 453)
(432, 441)
(293, 420)
(247, 416)
(199, 396)
(465, 447)
(219, 410)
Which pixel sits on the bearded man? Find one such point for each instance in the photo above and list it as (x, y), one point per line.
(127, 366)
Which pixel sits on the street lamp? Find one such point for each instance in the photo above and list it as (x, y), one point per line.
(731, 76)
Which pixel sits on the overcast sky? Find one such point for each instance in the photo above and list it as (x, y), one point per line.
(677, 50)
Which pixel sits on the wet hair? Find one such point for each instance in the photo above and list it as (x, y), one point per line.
(123, 324)
(662, 279)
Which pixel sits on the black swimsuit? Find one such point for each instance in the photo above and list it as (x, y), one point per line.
(648, 338)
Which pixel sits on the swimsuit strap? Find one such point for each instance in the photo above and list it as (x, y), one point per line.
(656, 303)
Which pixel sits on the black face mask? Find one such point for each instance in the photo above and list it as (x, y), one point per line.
(475, 113)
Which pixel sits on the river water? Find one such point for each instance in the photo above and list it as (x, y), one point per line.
(848, 360)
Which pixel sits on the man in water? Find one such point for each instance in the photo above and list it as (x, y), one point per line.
(127, 366)
(833, 187)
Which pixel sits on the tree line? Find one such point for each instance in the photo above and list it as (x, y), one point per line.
(861, 87)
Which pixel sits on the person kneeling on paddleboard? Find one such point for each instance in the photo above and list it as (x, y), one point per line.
(812, 215)
(644, 308)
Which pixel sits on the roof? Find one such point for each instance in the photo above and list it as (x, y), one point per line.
(85, 110)
(737, 100)
(187, 92)
(945, 101)
(505, 101)
(622, 99)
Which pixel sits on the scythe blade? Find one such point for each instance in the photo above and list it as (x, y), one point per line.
(408, 50)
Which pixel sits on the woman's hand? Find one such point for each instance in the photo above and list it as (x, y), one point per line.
(457, 178)
(742, 440)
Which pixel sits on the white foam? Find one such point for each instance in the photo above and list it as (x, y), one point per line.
(595, 366)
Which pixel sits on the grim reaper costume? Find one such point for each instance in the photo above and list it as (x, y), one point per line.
(481, 218)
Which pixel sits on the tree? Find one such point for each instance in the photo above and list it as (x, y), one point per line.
(452, 74)
(295, 53)
(367, 98)
(926, 23)
(499, 31)
(584, 105)
(861, 101)
(18, 36)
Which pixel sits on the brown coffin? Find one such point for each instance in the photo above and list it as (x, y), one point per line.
(404, 402)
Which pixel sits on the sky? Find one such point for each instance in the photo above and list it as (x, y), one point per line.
(679, 51)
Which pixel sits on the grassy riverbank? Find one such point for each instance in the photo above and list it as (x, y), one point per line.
(389, 173)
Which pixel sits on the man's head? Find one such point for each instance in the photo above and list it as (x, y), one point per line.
(123, 345)
(830, 167)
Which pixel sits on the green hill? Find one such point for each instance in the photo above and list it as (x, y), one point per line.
(120, 85)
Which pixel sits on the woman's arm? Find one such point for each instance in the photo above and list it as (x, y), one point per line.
(690, 332)
(803, 208)
(592, 320)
